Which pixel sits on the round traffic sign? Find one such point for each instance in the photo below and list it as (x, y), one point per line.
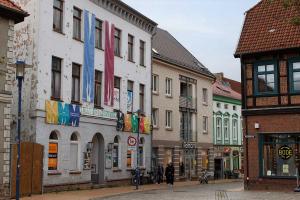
(131, 141)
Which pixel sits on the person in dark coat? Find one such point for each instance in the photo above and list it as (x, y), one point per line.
(169, 173)
(160, 174)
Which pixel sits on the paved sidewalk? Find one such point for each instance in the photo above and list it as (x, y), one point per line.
(107, 192)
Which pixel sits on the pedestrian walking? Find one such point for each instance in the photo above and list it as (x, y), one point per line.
(169, 173)
(160, 174)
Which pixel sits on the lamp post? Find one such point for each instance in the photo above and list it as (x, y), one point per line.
(137, 172)
(20, 70)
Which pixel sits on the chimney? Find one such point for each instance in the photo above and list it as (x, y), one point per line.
(219, 76)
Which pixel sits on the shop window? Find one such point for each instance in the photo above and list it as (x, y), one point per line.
(141, 152)
(77, 23)
(204, 160)
(129, 159)
(74, 152)
(265, 78)
(277, 154)
(116, 152)
(53, 151)
(294, 66)
(58, 15)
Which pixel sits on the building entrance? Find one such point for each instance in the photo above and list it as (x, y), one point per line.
(97, 161)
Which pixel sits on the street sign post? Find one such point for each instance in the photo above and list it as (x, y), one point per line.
(131, 142)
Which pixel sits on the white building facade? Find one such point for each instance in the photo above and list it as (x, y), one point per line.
(54, 41)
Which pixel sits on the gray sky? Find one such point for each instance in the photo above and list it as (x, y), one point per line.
(209, 29)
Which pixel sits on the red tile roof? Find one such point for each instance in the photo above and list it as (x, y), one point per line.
(235, 85)
(268, 27)
(10, 5)
(222, 87)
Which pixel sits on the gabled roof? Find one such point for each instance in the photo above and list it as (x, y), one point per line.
(167, 49)
(222, 87)
(268, 27)
(10, 10)
(235, 85)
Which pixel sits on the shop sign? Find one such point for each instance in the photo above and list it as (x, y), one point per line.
(188, 145)
(227, 149)
(98, 113)
(285, 152)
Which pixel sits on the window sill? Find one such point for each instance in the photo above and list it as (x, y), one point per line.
(52, 173)
(155, 127)
(56, 99)
(155, 93)
(205, 104)
(74, 172)
(131, 61)
(278, 177)
(78, 40)
(118, 56)
(116, 170)
(101, 49)
(205, 132)
(169, 96)
(59, 32)
(169, 129)
(98, 107)
(143, 65)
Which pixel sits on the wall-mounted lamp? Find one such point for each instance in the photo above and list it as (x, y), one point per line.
(89, 146)
(110, 147)
(256, 125)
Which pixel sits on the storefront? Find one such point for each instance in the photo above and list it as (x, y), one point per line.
(278, 155)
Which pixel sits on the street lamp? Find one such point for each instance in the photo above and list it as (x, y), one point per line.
(20, 70)
(137, 172)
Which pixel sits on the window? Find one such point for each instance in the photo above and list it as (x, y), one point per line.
(225, 106)
(130, 47)
(115, 153)
(75, 83)
(234, 107)
(226, 129)
(155, 117)
(219, 128)
(205, 124)
(142, 53)
(98, 34)
(277, 154)
(77, 23)
(117, 48)
(98, 88)
(168, 87)
(58, 15)
(218, 105)
(265, 78)
(142, 98)
(204, 92)
(129, 159)
(56, 78)
(168, 119)
(53, 151)
(154, 83)
(234, 129)
(130, 96)
(74, 152)
(117, 86)
(141, 152)
(294, 66)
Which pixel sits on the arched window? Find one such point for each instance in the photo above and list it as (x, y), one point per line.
(74, 152)
(226, 129)
(115, 152)
(141, 152)
(53, 151)
(234, 129)
(219, 130)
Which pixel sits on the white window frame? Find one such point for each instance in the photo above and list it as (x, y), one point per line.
(75, 142)
(168, 87)
(155, 121)
(155, 84)
(235, 129)
(219, 128)
(118, 154)
(205, 124)
(226, 129)
(205, 96)
(168, 119)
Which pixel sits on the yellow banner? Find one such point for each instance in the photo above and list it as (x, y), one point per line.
(147, 125)
(128, 125)
(51, 112)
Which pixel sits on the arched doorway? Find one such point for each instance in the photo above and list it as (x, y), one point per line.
(97, 160)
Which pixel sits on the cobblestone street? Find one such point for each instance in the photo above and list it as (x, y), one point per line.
(206, 192)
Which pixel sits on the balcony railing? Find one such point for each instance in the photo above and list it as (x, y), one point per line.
(187, 102)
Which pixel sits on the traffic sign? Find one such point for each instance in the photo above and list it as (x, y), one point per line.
(131, 141)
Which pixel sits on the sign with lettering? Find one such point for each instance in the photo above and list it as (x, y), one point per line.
(188, 145)
(285, 152)
(98, 113)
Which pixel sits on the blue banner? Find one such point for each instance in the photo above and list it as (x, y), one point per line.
(74, 115)
(63, 114)
(89, 57)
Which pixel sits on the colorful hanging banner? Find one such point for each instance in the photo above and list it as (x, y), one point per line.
(51, 112)
(134, 122)
(142, 124)
(129, 101)
(128, 125)
(63, 113)
(147, 125)
(74, 115)
(89, 57)
(120, 121)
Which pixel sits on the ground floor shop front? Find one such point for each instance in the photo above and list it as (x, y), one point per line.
(188, 158)
(272, 152)
(94, 153)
